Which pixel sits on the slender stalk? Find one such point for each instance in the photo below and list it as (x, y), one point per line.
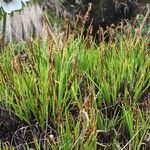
(2, 45)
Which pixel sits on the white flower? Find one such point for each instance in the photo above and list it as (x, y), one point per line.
(11, 5)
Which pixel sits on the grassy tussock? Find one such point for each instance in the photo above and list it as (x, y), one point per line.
(80, 95)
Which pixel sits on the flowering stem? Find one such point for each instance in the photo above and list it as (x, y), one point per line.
(3, 33)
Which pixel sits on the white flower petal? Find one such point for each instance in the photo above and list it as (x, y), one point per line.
(11, 6)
